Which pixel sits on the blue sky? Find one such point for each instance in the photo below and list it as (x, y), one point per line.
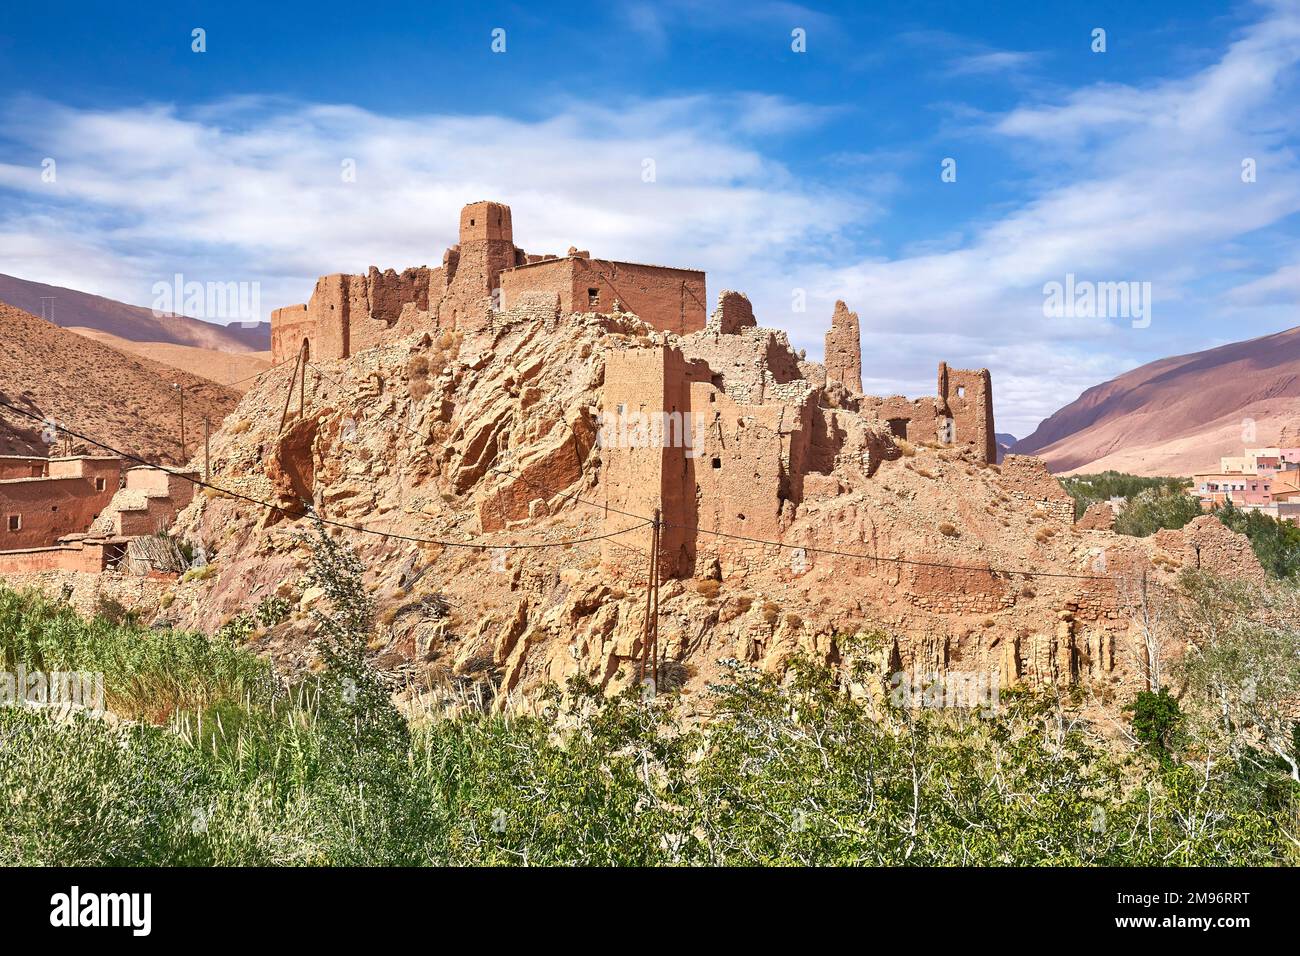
(776, 171)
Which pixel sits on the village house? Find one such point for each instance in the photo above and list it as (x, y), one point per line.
(81, 513)
(1275, 493)
(1261, 461)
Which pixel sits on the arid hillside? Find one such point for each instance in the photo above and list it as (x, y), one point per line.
(123, 400)
(135, 323)
(1178, 415)
(471, 463)
(233, 369)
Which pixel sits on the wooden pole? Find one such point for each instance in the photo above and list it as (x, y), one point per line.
(184, 454)
(302, 386)
(649, 610)
(654, 617)
(207, 449)
(289, 396)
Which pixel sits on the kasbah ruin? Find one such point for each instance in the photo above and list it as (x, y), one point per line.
(506, 426)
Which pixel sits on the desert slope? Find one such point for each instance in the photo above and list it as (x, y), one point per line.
(1177, 415)
(122, 400)
(235, 370)
(132, 322)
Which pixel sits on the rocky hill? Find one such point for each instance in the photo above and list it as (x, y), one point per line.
(1178, 415)
(123, 400)
(468, 466)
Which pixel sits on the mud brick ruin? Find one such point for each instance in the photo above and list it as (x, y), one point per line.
(505, 395)
(483, 272)
(753, 439)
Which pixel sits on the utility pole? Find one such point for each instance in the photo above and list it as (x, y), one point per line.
(298, 363)
(180, 391)
(654, 615)
(207, 449)
(650, 630)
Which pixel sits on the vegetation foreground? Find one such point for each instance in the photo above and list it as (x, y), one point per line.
(215, 762)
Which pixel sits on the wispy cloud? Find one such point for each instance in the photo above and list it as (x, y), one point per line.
(255, 189)
(1117, 181)
(998, 61)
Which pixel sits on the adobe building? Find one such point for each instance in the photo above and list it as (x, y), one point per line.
(480, 275)
(43, 499)
(742, 434)
(81, 513)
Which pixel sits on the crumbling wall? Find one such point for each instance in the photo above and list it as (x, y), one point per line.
(968, 397)
(289, 327)
(1027, 479)
(1208, 544)
(844, 350)
(1099, 516)
(734, 312)
(917, 419)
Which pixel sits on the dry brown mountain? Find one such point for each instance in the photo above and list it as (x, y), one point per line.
(122, 400)
(132, 322)
(235, 369)
(1178, 415)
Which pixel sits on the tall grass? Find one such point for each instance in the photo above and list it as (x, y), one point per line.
(227, 769)
(148, 675)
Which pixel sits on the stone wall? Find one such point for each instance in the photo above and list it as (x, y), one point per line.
(844, 350)
(968, 397)
(1026, 478)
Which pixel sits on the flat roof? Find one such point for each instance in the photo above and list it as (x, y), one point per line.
(616, 262)
(60, 458)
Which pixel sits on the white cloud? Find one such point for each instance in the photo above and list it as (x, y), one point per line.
(1122, 182)
(254, 189)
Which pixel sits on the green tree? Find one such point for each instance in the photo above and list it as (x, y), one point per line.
(1242, 666)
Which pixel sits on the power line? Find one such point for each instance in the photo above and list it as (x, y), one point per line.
(198, 482)
(249, 378)
(776, 544)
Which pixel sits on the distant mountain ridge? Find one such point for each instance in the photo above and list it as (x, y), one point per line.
(126, 401)
(135, 323)
(1178, 415)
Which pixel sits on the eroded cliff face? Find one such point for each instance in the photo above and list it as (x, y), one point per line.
(490, 442)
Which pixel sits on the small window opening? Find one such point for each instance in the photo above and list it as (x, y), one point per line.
(99, 484)
(961, 391)
(717, 462)
(471, 222)
(593, 297)
(15, 522)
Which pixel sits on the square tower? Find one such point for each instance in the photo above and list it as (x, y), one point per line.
(481, 221)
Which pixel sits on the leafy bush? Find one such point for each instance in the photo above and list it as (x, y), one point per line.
(1087, 489)
(1155, 509)
(1156, 718)
(788, 770)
